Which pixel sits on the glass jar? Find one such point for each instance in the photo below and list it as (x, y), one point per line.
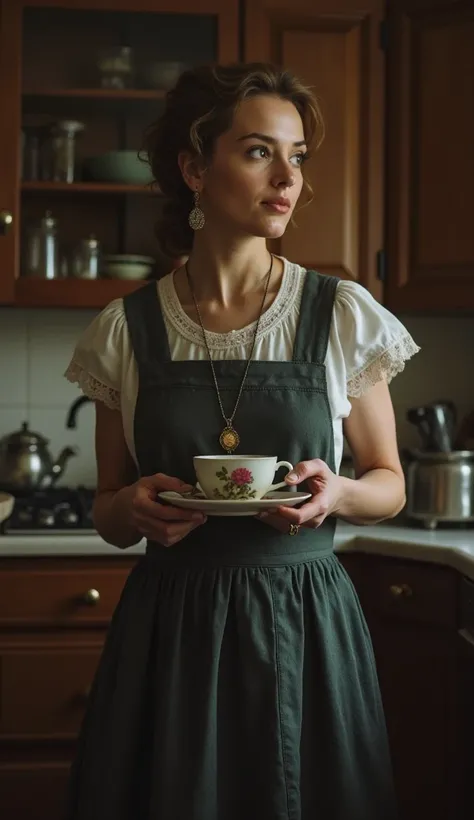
(63, 144)
(85, 260)
(115, 65)
(40, 255)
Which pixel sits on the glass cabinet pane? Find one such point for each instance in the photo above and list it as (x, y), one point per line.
(92, 81)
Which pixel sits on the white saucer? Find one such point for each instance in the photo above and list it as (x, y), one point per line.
(235, 508)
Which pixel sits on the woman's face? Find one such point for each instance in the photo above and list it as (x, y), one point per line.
(254, 180)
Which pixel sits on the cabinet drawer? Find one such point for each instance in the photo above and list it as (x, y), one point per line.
(33, 791)
(44, 689)
(413, 592)
(59, 597)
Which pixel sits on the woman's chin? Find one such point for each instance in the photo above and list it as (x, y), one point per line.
(271, 229)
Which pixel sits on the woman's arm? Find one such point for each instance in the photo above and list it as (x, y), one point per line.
(116, 474)
(127, 509)
(379, 489)
(377, 492)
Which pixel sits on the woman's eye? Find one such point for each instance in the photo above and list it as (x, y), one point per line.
(298, 159)
(258, 152)
(262, 152)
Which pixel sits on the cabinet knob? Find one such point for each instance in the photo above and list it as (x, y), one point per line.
(92, 597)
(6, 219)
(401, 591)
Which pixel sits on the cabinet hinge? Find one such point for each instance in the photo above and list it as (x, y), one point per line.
(383, 35)
(381, 267)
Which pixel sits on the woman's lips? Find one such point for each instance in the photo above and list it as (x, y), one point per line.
(279, 206)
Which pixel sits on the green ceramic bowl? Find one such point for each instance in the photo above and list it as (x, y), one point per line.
(123, 167)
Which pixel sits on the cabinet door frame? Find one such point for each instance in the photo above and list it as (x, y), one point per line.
(10, 130)
(11, 15)
(412, 286)
(263, 21)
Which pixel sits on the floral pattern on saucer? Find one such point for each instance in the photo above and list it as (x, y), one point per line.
(237, 485)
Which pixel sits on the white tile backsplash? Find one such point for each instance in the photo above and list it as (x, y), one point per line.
(11, 418)
(52, 336)
(13, 358)
(441, 370)
(36, 346)
(35, 349)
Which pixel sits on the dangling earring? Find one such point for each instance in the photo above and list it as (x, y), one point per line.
(196, 217)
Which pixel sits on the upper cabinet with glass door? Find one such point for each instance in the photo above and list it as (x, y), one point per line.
(79, 84)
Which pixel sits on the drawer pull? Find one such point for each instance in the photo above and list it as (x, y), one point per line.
(401, 591)
(92, 597)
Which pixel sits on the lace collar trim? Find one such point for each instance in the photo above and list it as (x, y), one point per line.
(276, 313)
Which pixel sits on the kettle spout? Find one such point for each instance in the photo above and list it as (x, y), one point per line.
(60, 464)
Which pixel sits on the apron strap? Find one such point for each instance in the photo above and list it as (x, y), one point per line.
(146, 325)
(317, 303)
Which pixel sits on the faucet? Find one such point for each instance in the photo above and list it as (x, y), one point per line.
(71, 419)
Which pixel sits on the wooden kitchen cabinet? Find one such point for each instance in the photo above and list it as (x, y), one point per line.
(33, 792)
(54, 613)
(413, 614)
(334, 46)
(417, 673)
(9, 189)
(48, 72)
(393, 204)
(430, 138)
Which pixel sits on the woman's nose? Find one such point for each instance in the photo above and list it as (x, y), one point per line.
(284, 175)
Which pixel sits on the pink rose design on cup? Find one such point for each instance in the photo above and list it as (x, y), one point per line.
(236, 486)
(241, 476)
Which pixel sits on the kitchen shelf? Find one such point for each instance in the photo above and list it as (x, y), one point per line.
(71, 293)
(99, 93)
(87, 188)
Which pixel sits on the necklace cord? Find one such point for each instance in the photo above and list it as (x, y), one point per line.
(229, 419)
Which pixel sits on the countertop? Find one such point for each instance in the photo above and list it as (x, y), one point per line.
(451, 547)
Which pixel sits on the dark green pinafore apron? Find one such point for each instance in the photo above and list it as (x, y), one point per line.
(238, 679)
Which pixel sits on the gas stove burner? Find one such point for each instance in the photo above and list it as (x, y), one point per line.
(59, 508)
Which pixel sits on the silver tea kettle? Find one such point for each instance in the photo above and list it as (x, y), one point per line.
(26, 464)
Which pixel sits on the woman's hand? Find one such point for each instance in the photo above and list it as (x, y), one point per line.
(325, 488)
(161, 522)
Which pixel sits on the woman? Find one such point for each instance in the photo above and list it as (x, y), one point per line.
(238, 679)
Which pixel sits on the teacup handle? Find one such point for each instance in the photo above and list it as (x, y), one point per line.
(280, 483)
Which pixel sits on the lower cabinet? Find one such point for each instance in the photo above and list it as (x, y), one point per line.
(54, 614)
(32, 790)
(417, 673)
(412, 611)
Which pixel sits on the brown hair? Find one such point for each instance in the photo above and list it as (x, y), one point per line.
(197, 111)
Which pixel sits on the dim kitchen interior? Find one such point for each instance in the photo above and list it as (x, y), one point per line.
(393, 209)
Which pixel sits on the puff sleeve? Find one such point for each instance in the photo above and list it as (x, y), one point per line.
(97, 362)
(369, 344)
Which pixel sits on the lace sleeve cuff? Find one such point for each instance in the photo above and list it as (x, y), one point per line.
(91, 387)
(384, 367)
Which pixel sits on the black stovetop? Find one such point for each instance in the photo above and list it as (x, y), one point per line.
(60, 508)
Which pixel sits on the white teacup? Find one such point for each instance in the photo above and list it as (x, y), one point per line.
(238, 478)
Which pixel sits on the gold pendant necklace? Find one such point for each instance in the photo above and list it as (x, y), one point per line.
(229, 439)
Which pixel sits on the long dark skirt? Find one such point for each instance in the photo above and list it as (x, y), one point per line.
(235, 693)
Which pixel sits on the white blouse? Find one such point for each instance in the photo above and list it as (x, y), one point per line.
(366, 344)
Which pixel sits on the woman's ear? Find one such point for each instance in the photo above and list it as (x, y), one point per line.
(192, 170)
